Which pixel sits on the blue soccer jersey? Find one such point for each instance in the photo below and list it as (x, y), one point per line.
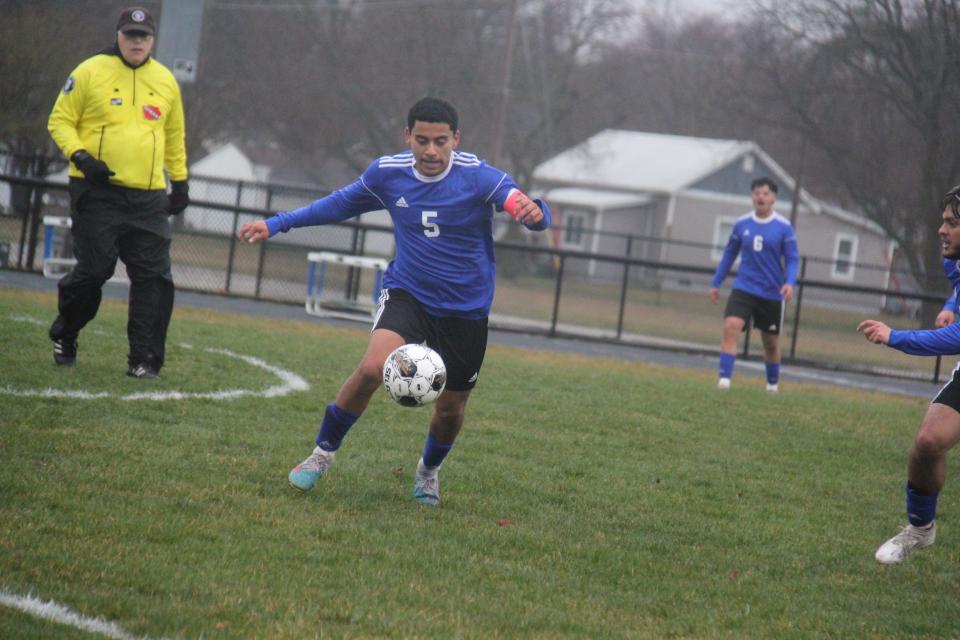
(762, 244)
(443, 226)
(951, 269)
(937, 342)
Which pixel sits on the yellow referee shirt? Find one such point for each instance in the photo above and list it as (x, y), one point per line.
(132, 119)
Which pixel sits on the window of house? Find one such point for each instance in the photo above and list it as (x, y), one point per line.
(573, 225)
(844, 256)
(722, 227)
(748, 164)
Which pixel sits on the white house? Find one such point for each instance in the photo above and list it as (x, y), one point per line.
(227, 176)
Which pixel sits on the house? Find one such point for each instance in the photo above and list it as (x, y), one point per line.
(674, 199)
(228, 176)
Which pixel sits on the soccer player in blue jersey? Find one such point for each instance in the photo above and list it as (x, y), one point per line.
(940, 429)
(439, 287)
(769, 261)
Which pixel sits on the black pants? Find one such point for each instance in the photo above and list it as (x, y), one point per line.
(133, 225)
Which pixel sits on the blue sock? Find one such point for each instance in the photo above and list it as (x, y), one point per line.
(434, 452)
(727, 361)
(336, 423)
(773, 372)
(921, 509)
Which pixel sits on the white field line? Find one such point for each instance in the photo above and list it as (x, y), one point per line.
(290, 382)
(61, 614)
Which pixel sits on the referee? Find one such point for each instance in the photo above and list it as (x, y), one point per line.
(119, 118)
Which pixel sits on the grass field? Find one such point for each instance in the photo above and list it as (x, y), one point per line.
(586, 498)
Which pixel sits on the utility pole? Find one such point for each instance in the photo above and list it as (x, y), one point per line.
(498, 133)
(796, 185)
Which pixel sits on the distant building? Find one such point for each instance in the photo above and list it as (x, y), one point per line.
(228, 176)
(679, 197)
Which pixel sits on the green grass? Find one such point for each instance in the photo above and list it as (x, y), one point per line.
(641, 503)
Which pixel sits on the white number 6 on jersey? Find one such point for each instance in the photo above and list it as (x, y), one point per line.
(430, 229)
(758, 243)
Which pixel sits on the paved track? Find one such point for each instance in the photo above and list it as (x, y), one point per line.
(865, 382)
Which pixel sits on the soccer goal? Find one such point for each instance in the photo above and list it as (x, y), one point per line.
(335, 282)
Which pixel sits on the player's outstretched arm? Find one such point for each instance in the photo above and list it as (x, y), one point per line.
(253, 232)
(919, 342)
(875, 331)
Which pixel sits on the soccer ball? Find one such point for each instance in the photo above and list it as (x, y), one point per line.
(414, 374)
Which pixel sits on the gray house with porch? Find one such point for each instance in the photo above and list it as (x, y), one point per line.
(676, 198)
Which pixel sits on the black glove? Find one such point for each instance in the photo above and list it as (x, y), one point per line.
(179, 196)
(94, 171)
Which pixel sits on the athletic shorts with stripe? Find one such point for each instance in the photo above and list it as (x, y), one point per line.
(767, 314)
(461, 342)
(950, 392)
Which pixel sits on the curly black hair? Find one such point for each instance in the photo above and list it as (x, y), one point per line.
(433, 110)
(952, 200)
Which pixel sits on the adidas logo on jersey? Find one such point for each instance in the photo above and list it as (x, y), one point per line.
(401, 202)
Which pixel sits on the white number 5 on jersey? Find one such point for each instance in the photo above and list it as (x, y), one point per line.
(430, 229)
(757, 242)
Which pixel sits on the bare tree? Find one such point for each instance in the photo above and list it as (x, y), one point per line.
(874, 86)
(42, 41)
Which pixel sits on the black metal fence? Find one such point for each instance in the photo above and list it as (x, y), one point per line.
(540, 288)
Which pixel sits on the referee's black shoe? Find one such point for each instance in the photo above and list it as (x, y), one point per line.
(143, 371)
(65, 352)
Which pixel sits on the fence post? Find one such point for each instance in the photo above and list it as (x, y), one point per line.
(796, 313)
(352, 284)
(556, 296)
(936, 370)
(23, 227)
(36, 216)
(233, 235)
(263, 249)
(623, 287)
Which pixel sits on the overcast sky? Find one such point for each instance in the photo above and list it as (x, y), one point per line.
(692, 7)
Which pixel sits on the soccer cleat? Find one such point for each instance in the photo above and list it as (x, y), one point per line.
(897, 548)
(304, 476)
(723, 383)
(426, 485)
(142, 371)
(65, 352)
(773, 388)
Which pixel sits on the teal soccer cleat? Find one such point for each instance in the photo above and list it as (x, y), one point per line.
(304, 476)
(426, 485)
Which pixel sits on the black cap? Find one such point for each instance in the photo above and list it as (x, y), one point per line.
(136, 19)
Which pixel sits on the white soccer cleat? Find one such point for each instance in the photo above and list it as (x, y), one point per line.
(723, 383)
(897, 548)
(773, 388)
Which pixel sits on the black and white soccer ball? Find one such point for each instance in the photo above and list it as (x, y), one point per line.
(414, 374)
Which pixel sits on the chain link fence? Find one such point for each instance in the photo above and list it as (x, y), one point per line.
(541, 289)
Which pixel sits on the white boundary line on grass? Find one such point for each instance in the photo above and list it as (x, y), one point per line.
(61, 614)
(290, 382)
